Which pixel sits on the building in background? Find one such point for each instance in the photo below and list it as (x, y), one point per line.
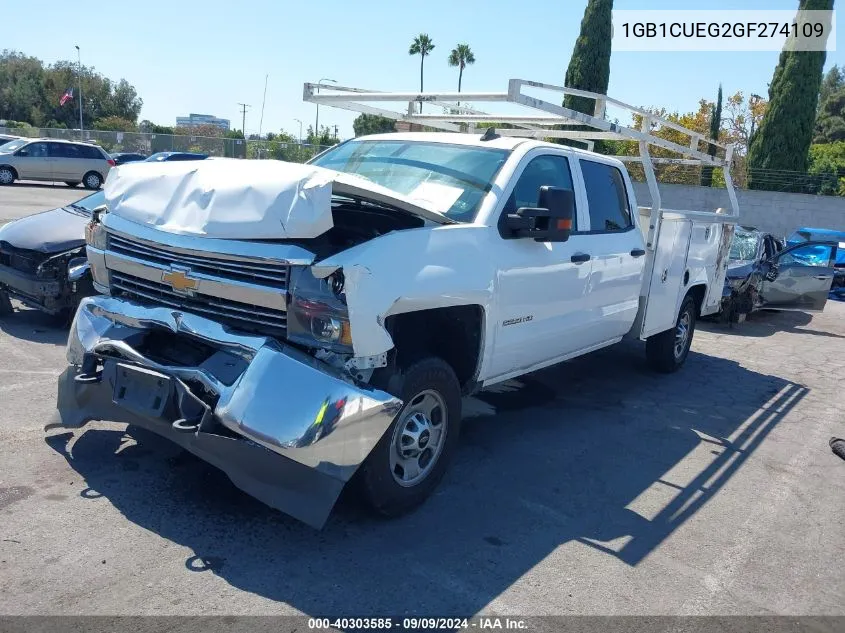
(193, 120)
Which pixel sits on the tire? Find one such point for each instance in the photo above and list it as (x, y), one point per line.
(7, 175)
(92, 180)
(71, 183)
(386, 481)
(667, 351)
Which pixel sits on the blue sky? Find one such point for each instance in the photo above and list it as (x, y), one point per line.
(207, 56)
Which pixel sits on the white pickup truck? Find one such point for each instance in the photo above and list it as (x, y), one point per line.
(299, 326)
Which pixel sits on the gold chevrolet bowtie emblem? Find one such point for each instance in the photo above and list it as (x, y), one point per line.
(179, 280)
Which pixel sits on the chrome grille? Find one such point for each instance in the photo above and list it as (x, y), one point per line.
(239, 315)
(269, 274)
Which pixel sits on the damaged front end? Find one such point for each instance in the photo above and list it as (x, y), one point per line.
(285, 427)
(51, 282)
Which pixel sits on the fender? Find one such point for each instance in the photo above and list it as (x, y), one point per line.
(416, 269)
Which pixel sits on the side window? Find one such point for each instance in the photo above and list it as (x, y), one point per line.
(88, 151)
(34, 150)
(63, 150)
(606, 197)
(808, 255)
(543, 170)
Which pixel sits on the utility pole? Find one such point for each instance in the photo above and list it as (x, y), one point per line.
(79, 78)
(335, 132)
(244, 106)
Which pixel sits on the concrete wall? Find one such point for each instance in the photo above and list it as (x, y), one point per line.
(770, 211)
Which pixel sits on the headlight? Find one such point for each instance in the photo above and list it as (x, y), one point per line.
(317, 312)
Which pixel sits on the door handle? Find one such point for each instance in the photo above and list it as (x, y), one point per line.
(637, 252)
(580, 258)
(823, 277)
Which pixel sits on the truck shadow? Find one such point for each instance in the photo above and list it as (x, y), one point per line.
(597, 452)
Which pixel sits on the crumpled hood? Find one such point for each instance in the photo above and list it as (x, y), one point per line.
(240, 199)
(53, 231)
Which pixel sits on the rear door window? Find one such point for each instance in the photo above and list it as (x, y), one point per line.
(606, 197)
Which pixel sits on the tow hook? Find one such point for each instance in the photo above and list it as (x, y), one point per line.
(88, 371)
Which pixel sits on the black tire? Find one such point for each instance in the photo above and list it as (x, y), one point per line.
(661, 349)
(377, 479)
(92, 180)
(72, 183)
(7, 175)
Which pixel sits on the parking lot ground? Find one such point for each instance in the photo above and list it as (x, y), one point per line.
(596, 487)
(25, 198)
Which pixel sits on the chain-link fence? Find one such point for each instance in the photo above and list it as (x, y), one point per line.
(830, 184)
(150, 143)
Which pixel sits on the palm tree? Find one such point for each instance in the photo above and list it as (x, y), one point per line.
(461, 56)
(422, 46)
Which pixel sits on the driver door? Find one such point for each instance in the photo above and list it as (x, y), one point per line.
(799, 277)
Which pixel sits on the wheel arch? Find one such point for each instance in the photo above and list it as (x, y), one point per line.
(698, 292)
(456, 334)
(12, 167)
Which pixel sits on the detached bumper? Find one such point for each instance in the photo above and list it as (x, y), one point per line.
(31, 290)
(286, 428)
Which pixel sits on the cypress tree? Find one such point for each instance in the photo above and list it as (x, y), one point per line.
(715, 125)
(589, 67)
(786, 131)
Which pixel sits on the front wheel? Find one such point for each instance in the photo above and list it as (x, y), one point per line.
(667, 351)
(411, 458)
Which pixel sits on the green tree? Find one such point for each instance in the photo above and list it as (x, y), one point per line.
(461, 57)
(830, 121)
(715, 127)
(827, 164)
(786, 131)
(30, 91)
(833, 81)
(589, 67)
(115, 123)
(372, 124)
(422, 46)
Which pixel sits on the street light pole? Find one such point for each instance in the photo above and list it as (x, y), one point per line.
(79, 79)
(300, 130)
(317, 120)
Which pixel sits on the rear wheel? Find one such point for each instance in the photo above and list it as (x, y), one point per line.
(72, 183)
(411, 458)
(667, 351)
(7, 176)
(92, 180)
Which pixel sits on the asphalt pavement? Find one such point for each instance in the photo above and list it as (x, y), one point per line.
(596, 487)
(25, 198)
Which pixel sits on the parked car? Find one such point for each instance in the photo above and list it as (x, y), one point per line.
(167, 156)
(121, 158)
(70, 162)
(805, 234)
(6, 138)
(763, 272)
(42, 258)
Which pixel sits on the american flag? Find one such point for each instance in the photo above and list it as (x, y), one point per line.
(67, 96)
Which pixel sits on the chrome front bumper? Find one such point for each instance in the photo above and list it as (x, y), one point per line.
(286, 428)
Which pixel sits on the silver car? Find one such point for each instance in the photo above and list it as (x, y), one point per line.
(71, 162)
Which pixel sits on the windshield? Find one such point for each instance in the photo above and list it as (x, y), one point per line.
(11, 146)
(744, 246)
(452, 179)
(88, 203)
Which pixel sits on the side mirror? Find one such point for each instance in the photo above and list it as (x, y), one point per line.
(22, 152)
(551, 221)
